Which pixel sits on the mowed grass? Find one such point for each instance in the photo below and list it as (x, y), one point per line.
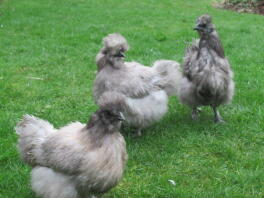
(47, 52)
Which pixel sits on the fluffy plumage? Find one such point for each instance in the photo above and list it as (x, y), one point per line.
(76, 161)
(207, 75)
(144, 90)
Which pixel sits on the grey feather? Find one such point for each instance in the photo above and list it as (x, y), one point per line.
(207, 75)
(144, 90)
(83, 160)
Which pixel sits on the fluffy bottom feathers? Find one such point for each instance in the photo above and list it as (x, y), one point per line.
(47, 183)
(147, 110)
(139, 112)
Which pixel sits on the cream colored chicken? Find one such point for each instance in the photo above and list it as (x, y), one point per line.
(144, 90)
(77, 160)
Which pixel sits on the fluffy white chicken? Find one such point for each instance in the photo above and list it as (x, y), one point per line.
(77, 160)
(207, 76)
(144, 90)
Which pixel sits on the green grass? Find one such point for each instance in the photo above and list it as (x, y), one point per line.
(57, 40)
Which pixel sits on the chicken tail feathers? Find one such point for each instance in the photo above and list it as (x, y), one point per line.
(32, 132)
(191, 53)
(170, 71)
(191, 49)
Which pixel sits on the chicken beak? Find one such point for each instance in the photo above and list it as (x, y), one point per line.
(197, 28)
(122, 54)
(121, 117)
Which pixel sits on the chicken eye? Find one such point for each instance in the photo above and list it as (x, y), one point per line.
(119, 53)
(107, 113)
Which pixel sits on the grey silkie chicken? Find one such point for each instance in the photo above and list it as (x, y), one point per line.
(77, 160)
(207, 76)
(143, 90)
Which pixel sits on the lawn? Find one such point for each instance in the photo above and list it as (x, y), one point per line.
(47, 69)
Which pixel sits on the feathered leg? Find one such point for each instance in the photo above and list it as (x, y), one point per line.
(139, 132)
(217, 117)
(195, 113)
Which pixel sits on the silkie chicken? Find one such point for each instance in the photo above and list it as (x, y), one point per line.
(207, 76)
(77, 160)
(144, 90)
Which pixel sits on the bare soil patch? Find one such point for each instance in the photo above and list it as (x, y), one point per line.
(247, 6)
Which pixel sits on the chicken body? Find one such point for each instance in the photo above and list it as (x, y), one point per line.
(207, 76)
(76, 161)
(140, 87)
(144, 90)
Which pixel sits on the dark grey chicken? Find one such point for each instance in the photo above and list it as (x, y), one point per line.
(207, 76)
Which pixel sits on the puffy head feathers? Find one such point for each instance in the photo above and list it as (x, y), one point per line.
(115, 41)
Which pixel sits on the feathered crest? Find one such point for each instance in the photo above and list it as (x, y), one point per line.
(115, 41)
(111, 100)
(204, 19)
(110, 106)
